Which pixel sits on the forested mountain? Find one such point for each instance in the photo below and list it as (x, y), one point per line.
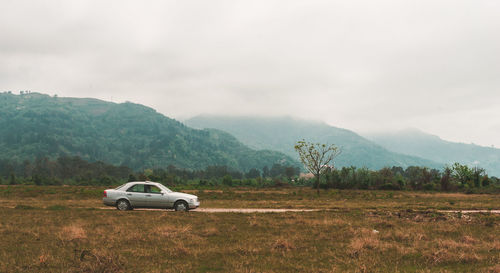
(282, 133)
(35, 125)
(418, 143)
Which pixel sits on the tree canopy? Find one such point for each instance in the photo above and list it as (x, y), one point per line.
(316, 157)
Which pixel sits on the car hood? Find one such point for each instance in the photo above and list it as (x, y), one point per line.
(182, 195)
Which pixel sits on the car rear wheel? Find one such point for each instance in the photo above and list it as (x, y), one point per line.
(123, 205)
(181, 206)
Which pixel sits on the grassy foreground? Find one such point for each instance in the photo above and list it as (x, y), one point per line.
(62, 229)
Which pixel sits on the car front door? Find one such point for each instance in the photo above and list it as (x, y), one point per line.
(137, 196)
(155, 198)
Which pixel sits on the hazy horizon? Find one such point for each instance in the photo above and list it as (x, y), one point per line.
(360, 65)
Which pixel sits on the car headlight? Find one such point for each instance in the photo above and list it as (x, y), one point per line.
(191, 201)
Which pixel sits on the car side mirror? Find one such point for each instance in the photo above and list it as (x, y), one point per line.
(163, 193)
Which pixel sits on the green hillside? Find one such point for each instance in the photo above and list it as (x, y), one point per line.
(418, 143)
(36, 125)
(282, 133)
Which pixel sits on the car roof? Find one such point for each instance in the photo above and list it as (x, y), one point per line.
(143, 182)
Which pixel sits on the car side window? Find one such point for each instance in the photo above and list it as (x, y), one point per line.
(136, 188)
(155, 189)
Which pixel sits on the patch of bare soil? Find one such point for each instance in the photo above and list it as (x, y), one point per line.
(471, 211)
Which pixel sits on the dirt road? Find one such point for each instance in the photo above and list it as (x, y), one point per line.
(238, 210)
(471, 211)
(215, 210)
(262, 210)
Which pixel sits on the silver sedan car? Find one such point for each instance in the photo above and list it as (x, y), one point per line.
(147, 194)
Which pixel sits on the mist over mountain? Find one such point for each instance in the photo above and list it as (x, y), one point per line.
(417, 143)
(36, 125)
(281, 134)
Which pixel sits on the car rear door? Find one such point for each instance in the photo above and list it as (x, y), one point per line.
(137, 196)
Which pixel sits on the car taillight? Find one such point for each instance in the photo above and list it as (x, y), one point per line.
(104, 194)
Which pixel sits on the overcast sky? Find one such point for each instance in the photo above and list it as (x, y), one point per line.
(359, 64)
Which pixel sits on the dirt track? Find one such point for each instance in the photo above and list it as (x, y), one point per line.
(472, 211)
(215, 210)
(259, 210)
(240, 210)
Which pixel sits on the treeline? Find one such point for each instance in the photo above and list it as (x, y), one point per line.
(76, 171)
(64, 170)
(457, 177)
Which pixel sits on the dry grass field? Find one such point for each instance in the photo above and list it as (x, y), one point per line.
(63, 229)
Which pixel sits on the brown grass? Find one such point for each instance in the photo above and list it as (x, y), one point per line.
(72, 232)
(100, 261)
(210, 231)
(366, 240)
(283, 245)
(171, 231)
(412, 235)
(494, 269)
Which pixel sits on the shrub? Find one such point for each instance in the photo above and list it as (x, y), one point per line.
(429, 186)
(227, 180)
(389, 186)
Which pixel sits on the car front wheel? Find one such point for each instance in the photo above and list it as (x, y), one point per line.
(181, 206)
(123, 205)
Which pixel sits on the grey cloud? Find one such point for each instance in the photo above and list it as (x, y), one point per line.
(359, 64)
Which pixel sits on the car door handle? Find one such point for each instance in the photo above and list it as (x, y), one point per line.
(129, 194)
(148, 195)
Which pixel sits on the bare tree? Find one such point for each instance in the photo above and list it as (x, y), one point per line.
(316, 157)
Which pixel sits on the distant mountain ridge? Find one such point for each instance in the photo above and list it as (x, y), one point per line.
(418, 143)
(36, 125)
(281, 134)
